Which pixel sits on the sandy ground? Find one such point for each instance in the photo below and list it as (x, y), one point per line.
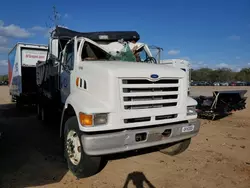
(219, 156)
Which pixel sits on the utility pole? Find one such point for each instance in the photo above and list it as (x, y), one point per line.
(54, 19)
(159, 49)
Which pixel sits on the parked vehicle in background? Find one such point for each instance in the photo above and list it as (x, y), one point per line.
(22, 71)
(232, 84)
(201, 83)
(224, 84)
(194, 83)
(240, 83)
(216, 84)
(3, 83)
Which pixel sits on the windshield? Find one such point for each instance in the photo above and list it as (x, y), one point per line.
(91, 52)
(134, 55)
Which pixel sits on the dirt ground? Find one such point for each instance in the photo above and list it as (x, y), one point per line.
(219, 156)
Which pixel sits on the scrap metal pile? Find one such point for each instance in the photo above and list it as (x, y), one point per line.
(222, 103)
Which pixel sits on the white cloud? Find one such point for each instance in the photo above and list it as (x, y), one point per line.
(4, 49)
(222, 65)
(13, 31)
(38, 29)
(234, 37)
(3, 40)
(173, 52)
(3, 62)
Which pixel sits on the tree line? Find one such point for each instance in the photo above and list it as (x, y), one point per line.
(220, 75)
(3, 78)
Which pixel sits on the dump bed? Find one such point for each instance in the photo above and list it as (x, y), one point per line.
(21, 67)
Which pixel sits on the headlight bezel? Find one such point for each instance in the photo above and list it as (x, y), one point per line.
(191, 111)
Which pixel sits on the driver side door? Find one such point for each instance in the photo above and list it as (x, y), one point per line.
(67, 68)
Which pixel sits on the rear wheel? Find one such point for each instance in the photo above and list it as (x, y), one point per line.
(79, 163)
(176, 148)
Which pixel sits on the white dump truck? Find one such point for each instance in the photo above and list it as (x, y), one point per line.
(22, 61)
(111, 100)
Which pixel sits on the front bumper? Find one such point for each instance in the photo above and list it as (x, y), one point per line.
(122, 141)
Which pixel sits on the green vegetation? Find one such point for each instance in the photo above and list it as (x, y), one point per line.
(220, 75)
(3, 78)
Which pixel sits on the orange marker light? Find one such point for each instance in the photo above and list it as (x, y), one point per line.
(77, 81)
(86, 120)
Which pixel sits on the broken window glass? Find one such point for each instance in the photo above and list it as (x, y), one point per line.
(126, 54)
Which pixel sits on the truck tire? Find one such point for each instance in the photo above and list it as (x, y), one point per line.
(79, 163)
(176, 148)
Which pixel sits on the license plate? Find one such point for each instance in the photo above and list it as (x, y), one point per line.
(187, 128)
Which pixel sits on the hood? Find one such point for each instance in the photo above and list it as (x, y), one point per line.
(133, 69)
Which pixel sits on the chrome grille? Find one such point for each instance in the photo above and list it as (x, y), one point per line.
(144, 94)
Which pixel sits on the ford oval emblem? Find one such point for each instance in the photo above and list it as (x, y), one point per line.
(154, 76)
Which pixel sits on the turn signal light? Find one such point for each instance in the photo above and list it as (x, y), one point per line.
(86, 119)
(77, 81)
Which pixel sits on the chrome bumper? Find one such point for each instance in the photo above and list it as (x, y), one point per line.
(122, 141)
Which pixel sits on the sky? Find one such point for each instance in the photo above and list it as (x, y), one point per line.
(213, 34)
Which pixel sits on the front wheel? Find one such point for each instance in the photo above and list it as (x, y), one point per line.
(79, 163)
(176, 148)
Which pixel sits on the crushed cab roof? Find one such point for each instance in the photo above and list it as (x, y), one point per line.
(110, 36)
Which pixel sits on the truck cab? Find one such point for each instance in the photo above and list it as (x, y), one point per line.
(109, 101)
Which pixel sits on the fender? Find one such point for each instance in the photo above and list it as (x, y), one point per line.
(84, 102)
(191, 101)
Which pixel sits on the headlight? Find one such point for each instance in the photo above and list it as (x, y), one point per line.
(100, 119)
(191, 110)
(89, 120)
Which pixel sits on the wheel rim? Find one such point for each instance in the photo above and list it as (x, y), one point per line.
(73, 147)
